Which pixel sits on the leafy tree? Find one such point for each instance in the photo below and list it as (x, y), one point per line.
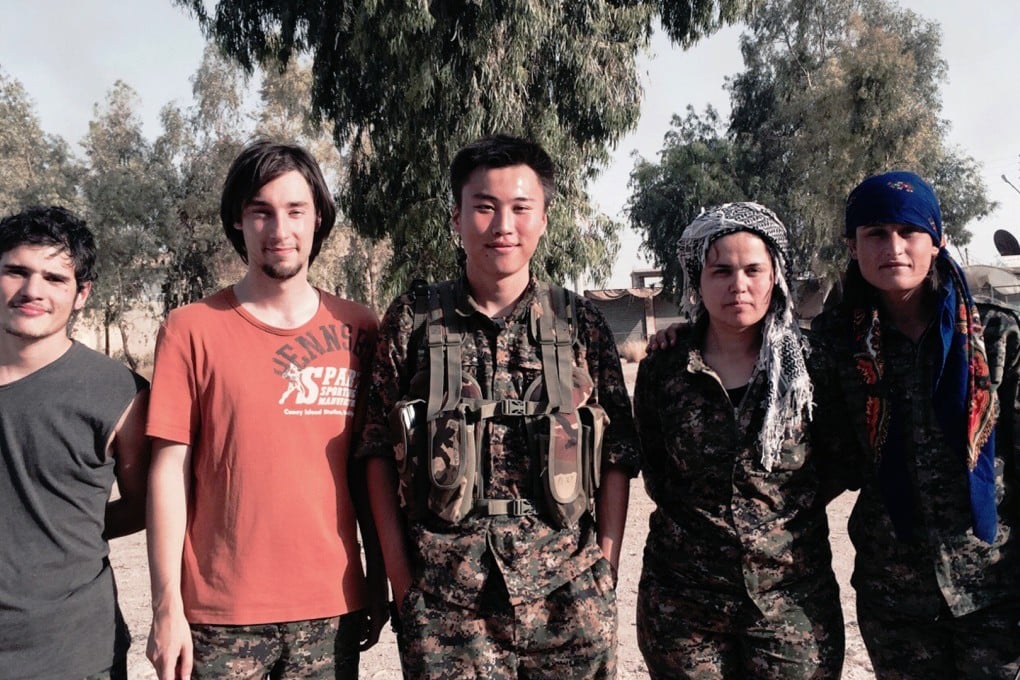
(35, 168)
(833, 91)
(349, 263)
(191, 157)
(695, 170)
(406, 84)
(121, 199)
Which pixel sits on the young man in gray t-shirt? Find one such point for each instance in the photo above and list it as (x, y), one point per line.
(71, 422)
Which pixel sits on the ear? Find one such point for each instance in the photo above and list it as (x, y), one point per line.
(455, 218)
(851, 244)
(545, 222)
(82, 295)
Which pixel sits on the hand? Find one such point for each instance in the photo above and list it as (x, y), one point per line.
(170, 648)
(664, 339)
(377, 614)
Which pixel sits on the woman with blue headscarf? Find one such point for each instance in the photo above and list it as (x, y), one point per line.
(932, 395)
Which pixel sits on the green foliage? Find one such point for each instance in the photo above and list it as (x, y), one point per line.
(406, 84)
(832, 91)
(189, 161)
(35, 168)
(122, 212)
(695, 170)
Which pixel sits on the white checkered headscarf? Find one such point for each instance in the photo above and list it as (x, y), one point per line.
(788, 397)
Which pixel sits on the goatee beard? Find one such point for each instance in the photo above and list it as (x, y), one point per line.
(280, 272)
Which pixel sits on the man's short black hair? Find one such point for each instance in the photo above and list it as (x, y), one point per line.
(258, 164)
(53, 226)
(501, 151)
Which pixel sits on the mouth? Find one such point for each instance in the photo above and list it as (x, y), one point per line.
(502, 247)
(894, 265)
(29, 310)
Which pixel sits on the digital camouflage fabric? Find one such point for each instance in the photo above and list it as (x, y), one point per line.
(737, 574)
(944, 587)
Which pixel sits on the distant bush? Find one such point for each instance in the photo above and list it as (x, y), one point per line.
(632, 350)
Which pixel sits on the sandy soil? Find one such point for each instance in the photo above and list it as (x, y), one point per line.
(382, 663)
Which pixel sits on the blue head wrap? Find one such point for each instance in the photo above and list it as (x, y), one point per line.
(894, 198)
(961, 389)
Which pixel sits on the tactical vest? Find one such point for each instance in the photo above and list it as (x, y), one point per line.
(439, 437)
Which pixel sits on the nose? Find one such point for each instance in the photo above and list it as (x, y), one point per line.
(897, 243)
(31, 287)
(502, 219)
(739, 282)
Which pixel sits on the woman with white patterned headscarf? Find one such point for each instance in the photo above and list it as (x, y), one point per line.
(737, 578)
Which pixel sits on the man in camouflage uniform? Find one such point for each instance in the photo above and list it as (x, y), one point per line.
(937, 572)
(507, 593)
(737, 574)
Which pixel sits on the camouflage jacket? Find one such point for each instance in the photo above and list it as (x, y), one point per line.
(943, 563)
(454, 561)
(723, 527)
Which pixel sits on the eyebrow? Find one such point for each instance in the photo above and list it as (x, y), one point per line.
(259, 203)
(21, 269)
(481, 195)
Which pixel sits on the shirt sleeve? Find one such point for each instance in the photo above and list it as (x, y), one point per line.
(649, 429)
(834, 443)
(173, 400)
(620, 443)
(388, 379)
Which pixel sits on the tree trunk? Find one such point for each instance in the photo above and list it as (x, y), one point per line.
(132, 362)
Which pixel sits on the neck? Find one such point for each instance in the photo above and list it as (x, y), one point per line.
(287, 303)
(730, 343)
(497, 298)
(20, 357)
(732, 353)
(909, 312)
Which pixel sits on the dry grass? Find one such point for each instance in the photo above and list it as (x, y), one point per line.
(632, 350)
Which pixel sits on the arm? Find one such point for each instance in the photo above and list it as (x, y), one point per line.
(382, 480)
(375, 567)
(130, 449)
(169, 647)
(611, 512)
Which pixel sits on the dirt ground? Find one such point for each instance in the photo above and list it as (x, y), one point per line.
(382, 663)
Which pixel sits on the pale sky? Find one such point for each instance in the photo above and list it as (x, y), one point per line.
(69, 54)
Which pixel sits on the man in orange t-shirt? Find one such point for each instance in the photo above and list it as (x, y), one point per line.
(256, 569)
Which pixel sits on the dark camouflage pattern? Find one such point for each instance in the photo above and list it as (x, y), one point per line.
(982, 645)
(680, 635)
(531, 555)
(569, 634)
(317, 649)
(731, 548)
(454, 458)
(943, 570)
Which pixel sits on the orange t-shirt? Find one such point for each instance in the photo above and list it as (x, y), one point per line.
(271, 532)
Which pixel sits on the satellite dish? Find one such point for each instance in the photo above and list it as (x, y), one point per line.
(1006, 243)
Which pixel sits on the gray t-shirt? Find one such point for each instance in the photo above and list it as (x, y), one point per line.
(57, 599)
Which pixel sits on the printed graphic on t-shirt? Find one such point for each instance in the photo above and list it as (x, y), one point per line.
(312, 384)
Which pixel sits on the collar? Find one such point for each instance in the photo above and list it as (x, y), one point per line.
(466, 305)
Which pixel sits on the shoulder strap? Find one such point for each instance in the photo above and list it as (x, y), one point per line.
(553, 332)
(444, 339)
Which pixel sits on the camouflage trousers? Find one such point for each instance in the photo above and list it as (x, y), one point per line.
(319, 649)
(685, 633)
(984, 644)
(569, 634)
